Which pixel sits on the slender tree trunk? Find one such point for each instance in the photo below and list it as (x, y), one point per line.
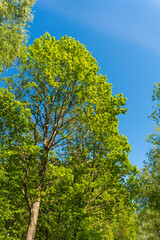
(33, 220)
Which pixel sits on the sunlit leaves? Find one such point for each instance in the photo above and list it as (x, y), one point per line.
(64, 139)
(149, 212)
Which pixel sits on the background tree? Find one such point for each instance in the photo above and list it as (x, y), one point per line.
(14, 18)
(70, 153)
(14, 127)
(149, 214)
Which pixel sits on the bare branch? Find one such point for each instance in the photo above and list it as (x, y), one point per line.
(102, 205)
(91, 200)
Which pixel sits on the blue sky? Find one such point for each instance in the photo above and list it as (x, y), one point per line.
(124, 37)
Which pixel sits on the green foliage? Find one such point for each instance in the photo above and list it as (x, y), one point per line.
(149, 214)
(71, 209)
(14, 17)
(13, 125)
(60, 144)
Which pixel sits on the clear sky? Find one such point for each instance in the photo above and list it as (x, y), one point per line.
(124, 37)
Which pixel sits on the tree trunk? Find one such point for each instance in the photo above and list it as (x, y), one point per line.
(33, 220)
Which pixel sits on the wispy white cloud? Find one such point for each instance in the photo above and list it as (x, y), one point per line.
(133, 21)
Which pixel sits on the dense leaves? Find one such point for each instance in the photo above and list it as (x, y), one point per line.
(14, 17)
(149, 201)
(61, 149)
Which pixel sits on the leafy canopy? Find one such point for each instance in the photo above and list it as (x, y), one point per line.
(149, 215)
(64, 144)
(14, 17)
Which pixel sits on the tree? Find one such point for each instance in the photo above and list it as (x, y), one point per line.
(83, 206)
(14, 127)
(71, 139)
(14, 17)
(149, 214)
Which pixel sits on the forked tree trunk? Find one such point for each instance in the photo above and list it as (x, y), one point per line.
(33, 220)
